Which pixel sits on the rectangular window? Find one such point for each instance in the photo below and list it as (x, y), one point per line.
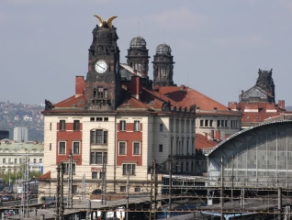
(122, 148)
(15, 160)
(105, 118)
(76, 149)
(50, 146)
(100, 93)
(225, 123)
(160, 148)
(91, 118)
(206, 123)
(66, 168)
(136, 149)
(50, 126)
(9, 160)
(136, 125)
(218, 123)
(160, 127)
(62, 147)
(99, 119)
(34, 160)
(211, 123)
(123, 188)
(201, 123)
(137, 189)
(129, 167)
(62, 125)
(122, 125)
(74, 189)
(98, 157)
(98, 137)
(94, 175)
(76, 125)
(20, 160)
(40, 160)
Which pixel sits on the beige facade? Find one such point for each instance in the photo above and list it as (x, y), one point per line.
(163, 135)
(218, 125)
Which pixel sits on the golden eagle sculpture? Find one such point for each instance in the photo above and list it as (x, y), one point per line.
(103, 23)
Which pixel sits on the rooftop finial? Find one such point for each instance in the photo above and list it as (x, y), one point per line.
(103, 23)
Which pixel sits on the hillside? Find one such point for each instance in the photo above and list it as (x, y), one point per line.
(22, 115)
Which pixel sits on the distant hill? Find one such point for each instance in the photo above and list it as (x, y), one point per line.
(289, 108)
(22, 115)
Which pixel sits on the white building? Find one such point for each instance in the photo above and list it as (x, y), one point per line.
(20, 134)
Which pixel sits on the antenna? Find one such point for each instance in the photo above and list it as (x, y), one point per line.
(138, 28)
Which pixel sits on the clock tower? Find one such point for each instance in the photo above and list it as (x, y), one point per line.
(103, 81)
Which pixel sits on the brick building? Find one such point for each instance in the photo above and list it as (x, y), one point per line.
(119, 120)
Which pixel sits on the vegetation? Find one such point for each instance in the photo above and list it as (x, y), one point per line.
(14, 176)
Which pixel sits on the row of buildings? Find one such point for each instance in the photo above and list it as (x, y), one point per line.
(119, 120)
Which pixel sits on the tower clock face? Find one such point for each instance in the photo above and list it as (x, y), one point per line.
(100, 66)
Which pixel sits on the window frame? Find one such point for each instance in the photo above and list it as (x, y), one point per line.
(93, 175)
(161, 127)
(137, 125)
(160, 148)
(122, 125)
(125, 167)
(59, 147)
(139, 148)
(62, 125)
(125, 146)
(93, 159)
(76, 125)
(73, 147)
(94, 137)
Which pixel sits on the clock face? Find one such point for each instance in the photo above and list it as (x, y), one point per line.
(100, 66)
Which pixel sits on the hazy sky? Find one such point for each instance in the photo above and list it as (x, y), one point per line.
(218, 46)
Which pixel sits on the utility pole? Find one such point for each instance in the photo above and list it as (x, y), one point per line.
(70, 182)
(103, 186)
(222, 189)
(62, 191)
(58, 193)
(279, 203)
(24, 199)
(153, 191)
(128, 189)
(169, 185)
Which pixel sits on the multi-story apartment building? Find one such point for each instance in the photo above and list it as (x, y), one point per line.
(14, 156)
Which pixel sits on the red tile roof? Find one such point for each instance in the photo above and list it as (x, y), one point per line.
(202, 142)
(185, 97)
(45, 176)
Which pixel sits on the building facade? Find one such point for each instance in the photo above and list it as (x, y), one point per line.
(115, 125)
(258, 103)
(14, 156)
(20, 134)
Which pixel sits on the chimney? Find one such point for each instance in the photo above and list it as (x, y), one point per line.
(218, 135)
(79, 85)
(281, 104)
(212, 134)
(136, 86)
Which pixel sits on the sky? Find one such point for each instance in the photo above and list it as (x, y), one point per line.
(217, 46)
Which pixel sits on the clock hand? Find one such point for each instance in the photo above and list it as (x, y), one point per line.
(100, 66)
